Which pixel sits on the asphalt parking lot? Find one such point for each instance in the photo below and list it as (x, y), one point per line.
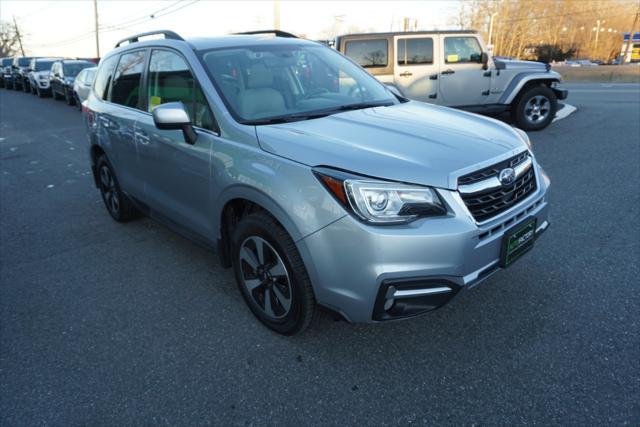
(103, 323)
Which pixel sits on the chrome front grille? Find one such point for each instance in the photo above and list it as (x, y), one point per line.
(485, 196)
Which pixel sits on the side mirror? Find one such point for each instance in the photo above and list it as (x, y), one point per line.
(174, 116)
(484, 60)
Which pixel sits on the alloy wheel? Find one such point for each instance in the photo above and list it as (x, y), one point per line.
(537, 109)
(265, 277)
(109, 190)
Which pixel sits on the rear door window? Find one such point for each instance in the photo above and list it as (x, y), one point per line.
(170, 80)
(415, 51)
(127, 79)
(104, 77)
(368, 53)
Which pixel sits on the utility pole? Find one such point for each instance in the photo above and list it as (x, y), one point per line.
(598, 22)
(630, 42)
(276, 14)
(15, 25)
(493, 15)
(95, 13)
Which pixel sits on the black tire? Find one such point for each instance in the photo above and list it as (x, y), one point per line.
(68, 97)
(26, 88)
(536, 99)
(294, 282)
(39, 93)
(77, 102)
(33, 90)
(55, 95)
(117, 203)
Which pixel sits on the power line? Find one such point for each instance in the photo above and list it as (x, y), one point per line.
(141, 20)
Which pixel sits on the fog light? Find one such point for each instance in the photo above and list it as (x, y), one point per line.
(388, 304)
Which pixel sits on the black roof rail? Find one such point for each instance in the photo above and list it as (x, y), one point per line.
(166, 33)
(277, 33)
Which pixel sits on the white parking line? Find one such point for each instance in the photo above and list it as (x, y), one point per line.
(565, 112)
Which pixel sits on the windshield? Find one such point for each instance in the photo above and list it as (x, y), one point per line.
(43, 65)
(267, 83)
(7, 61)
(23, 62)
(72, 70)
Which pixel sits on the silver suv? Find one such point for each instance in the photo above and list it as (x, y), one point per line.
(316, 183)
(454, 68)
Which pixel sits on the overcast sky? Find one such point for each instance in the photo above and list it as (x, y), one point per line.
(65, 28)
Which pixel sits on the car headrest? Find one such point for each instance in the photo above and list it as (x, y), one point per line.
(259, 76)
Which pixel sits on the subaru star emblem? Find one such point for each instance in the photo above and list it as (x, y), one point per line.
(507, 176)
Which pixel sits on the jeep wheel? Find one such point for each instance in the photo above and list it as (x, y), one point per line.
(535, 108)
(117, 203)
(271, 275)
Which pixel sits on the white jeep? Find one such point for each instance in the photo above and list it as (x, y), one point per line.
(454, 68)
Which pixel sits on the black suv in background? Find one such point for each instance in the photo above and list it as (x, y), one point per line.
(63, 74)
(5, 70)
(20, 70)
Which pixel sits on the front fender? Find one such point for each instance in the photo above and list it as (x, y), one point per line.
(521, 79)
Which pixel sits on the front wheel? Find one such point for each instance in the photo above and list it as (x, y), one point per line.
(271, 275)
(535, 108)
(55, 95)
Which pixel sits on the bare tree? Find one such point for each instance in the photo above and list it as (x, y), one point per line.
(520, 25)
(9, 43)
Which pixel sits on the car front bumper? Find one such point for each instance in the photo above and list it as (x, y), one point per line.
(356, 267)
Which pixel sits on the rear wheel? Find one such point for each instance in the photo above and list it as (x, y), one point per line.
(535, 108)
(117, 203)
(271, 275)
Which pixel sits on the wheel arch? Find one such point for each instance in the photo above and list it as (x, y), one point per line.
(238, 202)
(521, 82)
(95, 152)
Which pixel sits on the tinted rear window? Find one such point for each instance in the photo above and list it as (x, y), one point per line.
(368, 53)
(104, 76)
(415, 51)
(126, 82)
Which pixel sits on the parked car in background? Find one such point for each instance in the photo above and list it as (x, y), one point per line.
(5, 70)
(62, 76)
(82, 85)
(39, 75)
(20, 69)
(454, 69)
(313, 180)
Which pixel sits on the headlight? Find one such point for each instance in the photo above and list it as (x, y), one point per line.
(525, 138)
(381, 202)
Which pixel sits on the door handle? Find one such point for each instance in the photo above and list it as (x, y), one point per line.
(433, 77)
(406, 74)
(141, 137)
(449, 71)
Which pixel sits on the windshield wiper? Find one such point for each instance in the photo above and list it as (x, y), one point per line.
(363, 105)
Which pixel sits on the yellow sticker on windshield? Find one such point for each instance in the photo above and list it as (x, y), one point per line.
(154, 102)
(452, 58)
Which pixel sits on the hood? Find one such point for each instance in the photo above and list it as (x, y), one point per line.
(515, 64)
(411, 142)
